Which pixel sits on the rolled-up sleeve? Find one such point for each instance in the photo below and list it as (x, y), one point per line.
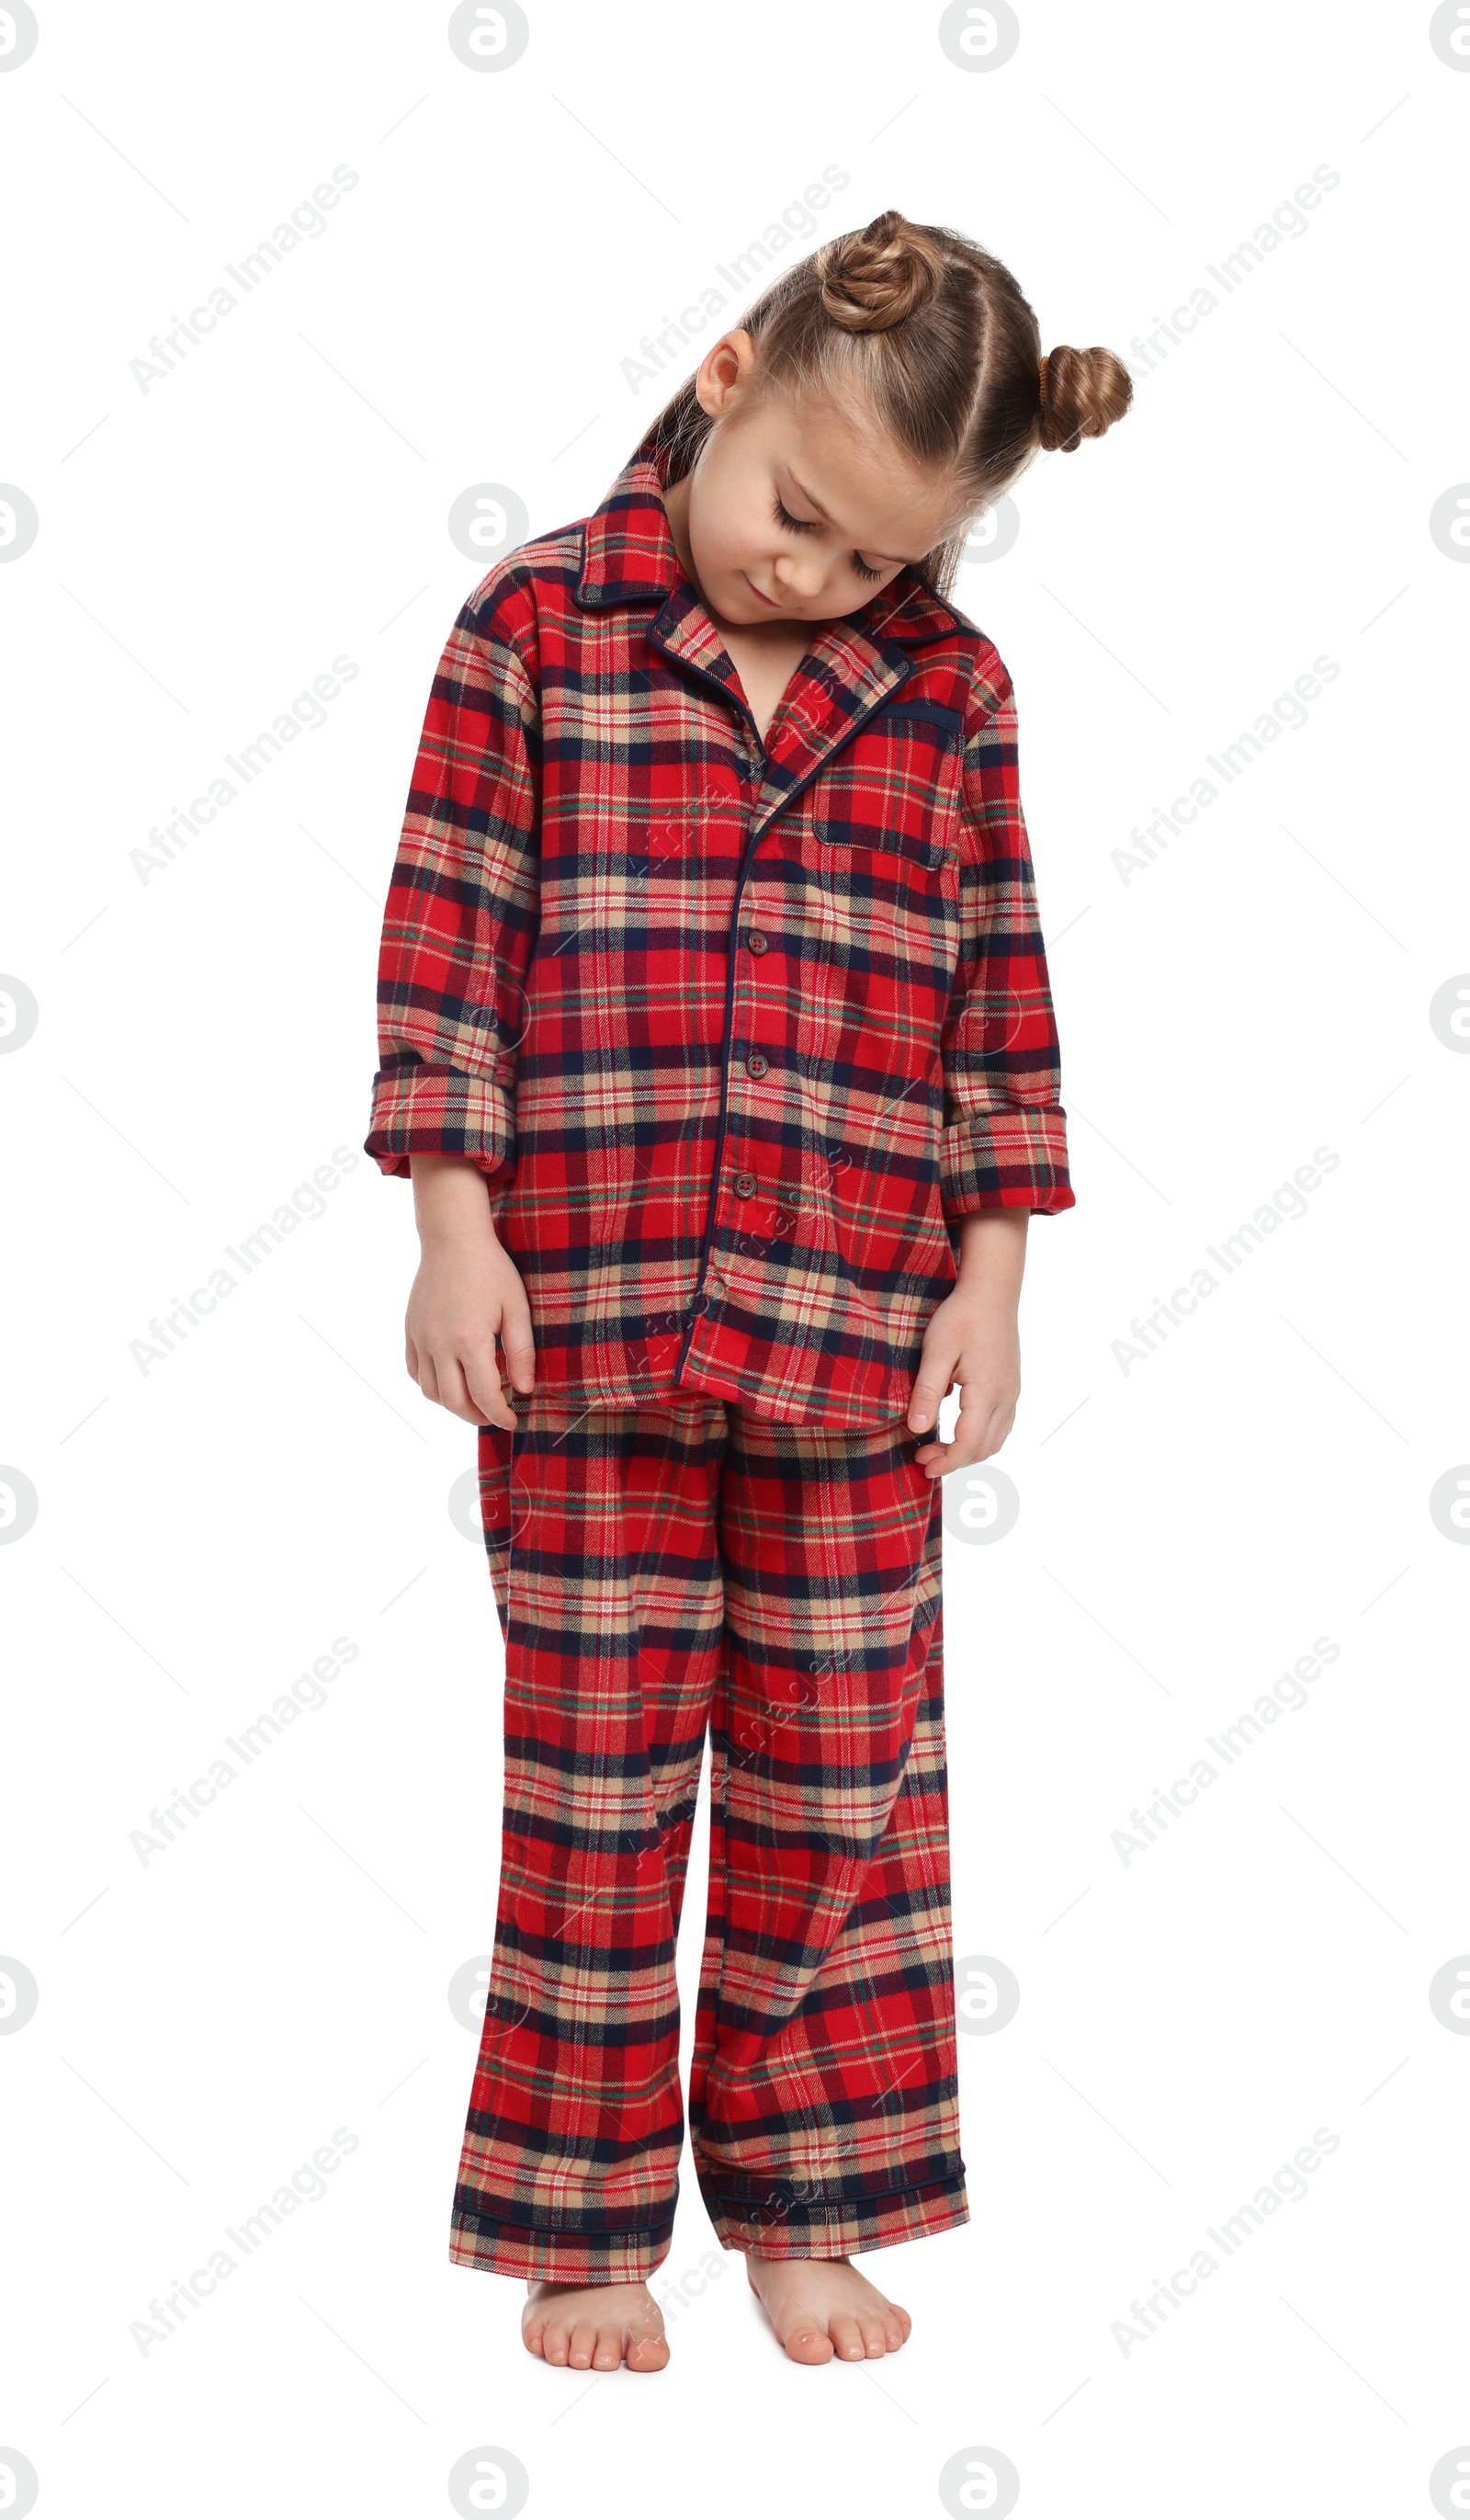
(1005, 1129)
(462, 911)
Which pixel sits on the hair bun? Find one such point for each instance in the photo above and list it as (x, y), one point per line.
(876, 275)
(1082, 393)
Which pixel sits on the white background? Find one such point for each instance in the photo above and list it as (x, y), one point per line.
(1187, 1527)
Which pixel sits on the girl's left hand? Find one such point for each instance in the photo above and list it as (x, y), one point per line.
(972, 1340)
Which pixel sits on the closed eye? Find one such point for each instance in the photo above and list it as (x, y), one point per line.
(808, 526)
(793, 524)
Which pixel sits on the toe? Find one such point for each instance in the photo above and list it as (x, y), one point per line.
(847, 2337)
(554, 2344)
(648, 2351)
(895, 2329)
(608, 2351)
(807, 2343)
(584, 2338)
(533, 2335)
(874, 2342)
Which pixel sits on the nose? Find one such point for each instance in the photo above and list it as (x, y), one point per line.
(799, 579)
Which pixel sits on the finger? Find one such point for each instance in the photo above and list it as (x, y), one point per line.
(978, 1412)
(934, 1452)
(999, 1427)
(483, 1386)
(974, 1442)
(517, 1343)
(932, 1383)
(963, 1445)
(455, 1395)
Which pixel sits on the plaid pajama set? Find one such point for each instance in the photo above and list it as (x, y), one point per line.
(737, 1032)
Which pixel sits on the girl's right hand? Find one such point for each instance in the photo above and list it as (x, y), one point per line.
(467, 1293)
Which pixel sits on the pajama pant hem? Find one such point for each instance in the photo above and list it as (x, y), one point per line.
(813, 2229)
(564, 2253)
(559, 2254)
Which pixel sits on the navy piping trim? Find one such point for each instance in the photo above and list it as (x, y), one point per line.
(477, 2210)
(731, 2199)
(951, 720)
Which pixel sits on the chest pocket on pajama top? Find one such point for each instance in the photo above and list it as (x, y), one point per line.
(880, 838)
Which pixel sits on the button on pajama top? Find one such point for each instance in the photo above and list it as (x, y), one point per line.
(737, 1032)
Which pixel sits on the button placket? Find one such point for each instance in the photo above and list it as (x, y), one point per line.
(744, 1183)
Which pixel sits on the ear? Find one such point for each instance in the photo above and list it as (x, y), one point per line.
(723, 372)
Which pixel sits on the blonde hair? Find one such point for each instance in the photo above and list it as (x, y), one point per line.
(929, 336)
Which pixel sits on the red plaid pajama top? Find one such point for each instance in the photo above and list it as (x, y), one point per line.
(736, 1031)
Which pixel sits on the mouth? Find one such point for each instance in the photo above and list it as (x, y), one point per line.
(769, 600)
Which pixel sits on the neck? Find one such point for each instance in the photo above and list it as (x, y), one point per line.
(676, 500)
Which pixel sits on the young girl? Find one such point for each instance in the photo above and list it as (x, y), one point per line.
(717, 1038)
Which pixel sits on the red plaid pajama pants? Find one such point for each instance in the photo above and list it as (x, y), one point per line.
(660, 1570)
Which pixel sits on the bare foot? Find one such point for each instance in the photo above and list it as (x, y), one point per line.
(594, 2328)
(822, 2307)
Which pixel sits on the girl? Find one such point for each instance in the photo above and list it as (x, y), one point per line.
(717, 1038)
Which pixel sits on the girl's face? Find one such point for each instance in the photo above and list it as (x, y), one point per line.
(791, 512)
